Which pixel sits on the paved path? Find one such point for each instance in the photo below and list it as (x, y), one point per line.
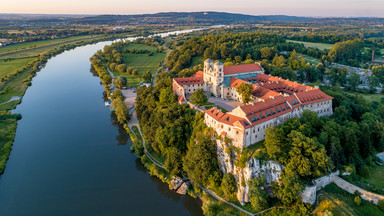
(350, 188)
(134, 122)
(223, 200)
(229, 105)
(113, 76)
(14, 98)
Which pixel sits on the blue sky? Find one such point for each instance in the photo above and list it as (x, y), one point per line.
(254, 7)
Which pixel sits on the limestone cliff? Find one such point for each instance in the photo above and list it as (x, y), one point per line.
(254, 167)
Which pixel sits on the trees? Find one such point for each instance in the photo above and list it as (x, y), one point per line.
(147, 77)
(120, 68)
(257, 196)
(378, 71)
(116, 94)
(121, 110)
(112, 66)
(198, 97)
(200, 161)
(346, 51)
(120, 82)
(135, 72)
(266, 53)
(167, 97)
(245, 91)
(353, 81)
(228, 185)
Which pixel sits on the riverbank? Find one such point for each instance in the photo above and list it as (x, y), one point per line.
(15, 84)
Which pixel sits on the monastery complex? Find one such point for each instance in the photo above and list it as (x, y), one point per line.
(273, 100)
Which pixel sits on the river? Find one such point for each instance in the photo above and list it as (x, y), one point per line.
(71, 158)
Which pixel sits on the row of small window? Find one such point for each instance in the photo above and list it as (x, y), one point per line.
(323, 111)
(255, 118)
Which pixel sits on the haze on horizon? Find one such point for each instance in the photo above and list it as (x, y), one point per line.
(339, 8)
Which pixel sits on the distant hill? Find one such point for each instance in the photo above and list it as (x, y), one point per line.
(183, 18)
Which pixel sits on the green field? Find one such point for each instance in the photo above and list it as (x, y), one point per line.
(34, 48)
(20, 55)
(313, 45)
(7, 130)
(339, 202)
(313, 61)
(377, 177)
(196, 61)
(10, 66)
(141, 62)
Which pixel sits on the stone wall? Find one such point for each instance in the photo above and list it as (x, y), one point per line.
(309, 193)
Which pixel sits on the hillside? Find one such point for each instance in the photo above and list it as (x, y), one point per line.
(184, 17)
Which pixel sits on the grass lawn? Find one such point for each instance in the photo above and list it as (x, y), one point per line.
(15, 86)
(196, 61)
(37, 47)
(141, 62)
(369, 97)
(340, 202)
(313, 61)
(377, 177)
(8, 130)
(160, 158)
(137, 132)
(9, 67)
(313, 45)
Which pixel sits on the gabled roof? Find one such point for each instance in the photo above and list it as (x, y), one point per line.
(227, 118)
(308, 97)
(181, 99)
(264, 93)
(189, 80)
(241, 68)
(236, 82)
(198, 74)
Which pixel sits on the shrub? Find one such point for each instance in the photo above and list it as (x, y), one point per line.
(364, 172)
(229, 185)
(380, 204)
(357, 200)
(198, 97)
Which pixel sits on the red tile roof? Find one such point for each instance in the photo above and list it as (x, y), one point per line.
(308, 97)
(181, 99)
(198, 74)
(236, 82)
(264, 93)
(227, 118)
(241, 68)
(189, 80)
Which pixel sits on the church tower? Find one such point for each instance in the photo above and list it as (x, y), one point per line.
(218, 68)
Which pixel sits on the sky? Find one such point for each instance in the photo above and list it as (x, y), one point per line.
(339, 8)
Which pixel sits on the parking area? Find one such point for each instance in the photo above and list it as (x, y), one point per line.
(130, 97)
(226, 104)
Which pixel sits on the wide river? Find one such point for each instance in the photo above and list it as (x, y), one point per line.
(71, 158)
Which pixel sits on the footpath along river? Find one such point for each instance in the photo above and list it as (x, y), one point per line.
(71, 158)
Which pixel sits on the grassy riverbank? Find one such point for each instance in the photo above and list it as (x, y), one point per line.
(18, 65)
(8, 124)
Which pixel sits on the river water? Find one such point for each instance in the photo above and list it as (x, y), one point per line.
(71, 158)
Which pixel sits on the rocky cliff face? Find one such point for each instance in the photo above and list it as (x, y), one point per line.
(254, 167)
